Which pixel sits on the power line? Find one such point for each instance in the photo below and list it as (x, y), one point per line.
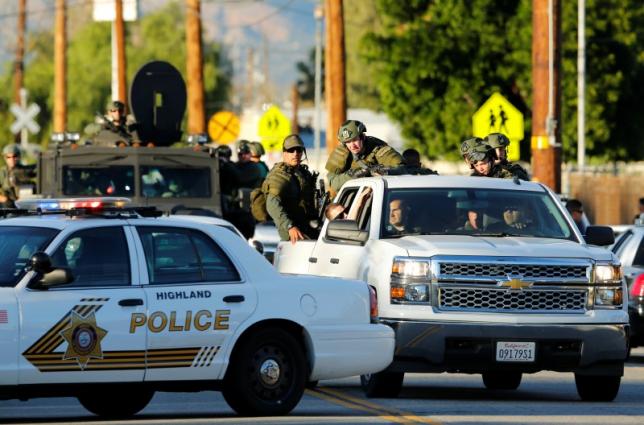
(264, 18)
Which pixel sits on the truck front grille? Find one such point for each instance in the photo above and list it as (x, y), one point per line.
(527, 271)
(532, 300)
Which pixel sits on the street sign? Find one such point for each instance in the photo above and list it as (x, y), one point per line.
(498, 115)
(24, 115)
(273, 128)
(223, 127)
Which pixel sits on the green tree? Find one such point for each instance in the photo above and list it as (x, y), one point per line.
(439, 60)
(306, 77)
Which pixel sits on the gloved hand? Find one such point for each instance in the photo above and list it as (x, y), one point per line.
(379, 170)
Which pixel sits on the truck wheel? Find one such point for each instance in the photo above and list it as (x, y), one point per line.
(267, 374)
(502, 380)
(597, 388)
(116, 403)
(382, 384)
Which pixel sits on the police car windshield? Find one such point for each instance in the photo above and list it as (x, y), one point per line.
(17, 245)
(474, 212)
(98, 181)
(175, 182)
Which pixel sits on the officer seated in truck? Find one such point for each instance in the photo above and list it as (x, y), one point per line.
(515, 220)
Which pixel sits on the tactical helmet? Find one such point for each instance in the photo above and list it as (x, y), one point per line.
(497, 140)
(243, 146)
(224, 151)
(468, 145)
(11, 149)
(350, 129)
(480, 152)
(256, 149)
(292, 141)
(115, 104)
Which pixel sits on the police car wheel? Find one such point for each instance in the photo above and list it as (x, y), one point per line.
(502, 380)
(382, 384)
(267, 375)
(116, 402)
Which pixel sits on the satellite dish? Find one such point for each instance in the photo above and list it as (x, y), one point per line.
(158, 101)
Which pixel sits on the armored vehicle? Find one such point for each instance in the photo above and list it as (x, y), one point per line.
(146, 170)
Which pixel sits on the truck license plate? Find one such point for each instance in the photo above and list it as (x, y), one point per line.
(515, 351)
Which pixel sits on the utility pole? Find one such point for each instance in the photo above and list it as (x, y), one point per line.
(546, 92)
(19, 66)
(581, 84)
(196, 115)
(319, 15)
(295, 97)
(265, 70)
(60, 69)
(250, 78)
(119, 38)
(336, 103)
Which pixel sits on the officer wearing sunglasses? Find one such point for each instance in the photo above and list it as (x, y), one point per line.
(290, 190)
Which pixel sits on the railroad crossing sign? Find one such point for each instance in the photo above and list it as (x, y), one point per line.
(498, 115)
(24, 115)
(273, 128)
(223, 127)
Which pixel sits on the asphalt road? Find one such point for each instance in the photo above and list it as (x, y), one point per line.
(543, 398)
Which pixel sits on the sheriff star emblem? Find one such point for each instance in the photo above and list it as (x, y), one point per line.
(83, 337)
(515, 283)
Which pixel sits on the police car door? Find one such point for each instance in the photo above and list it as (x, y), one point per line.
(196, 298)
(80, 332)
(341, 259)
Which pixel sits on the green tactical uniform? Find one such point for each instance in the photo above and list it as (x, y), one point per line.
(500, 141)
(8, 188)
(290, 199)
(516, 170)
(497, 171)
(374, 152)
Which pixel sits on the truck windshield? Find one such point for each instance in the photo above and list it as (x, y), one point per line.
(475, 212)
(175, 182)
(17, 245)
(93, 181)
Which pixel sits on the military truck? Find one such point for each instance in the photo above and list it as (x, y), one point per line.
(148, 171)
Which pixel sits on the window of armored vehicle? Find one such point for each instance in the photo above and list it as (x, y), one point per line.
(175, 255)
(175, 182)
(17, 245)
(115, 180)
(96, 257)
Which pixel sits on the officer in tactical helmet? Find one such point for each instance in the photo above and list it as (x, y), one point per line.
(356, 153)
(482, 158)
(250, 173)
(256, 152)
(113, 128)
(12, 175)
(290, 189)
(228, 177)
(499, 142)
(468, 146)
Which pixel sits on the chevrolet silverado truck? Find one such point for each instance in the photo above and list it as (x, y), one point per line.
(477, 275)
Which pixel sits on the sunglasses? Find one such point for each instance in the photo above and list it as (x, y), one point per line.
(296, 149)
(11, 156)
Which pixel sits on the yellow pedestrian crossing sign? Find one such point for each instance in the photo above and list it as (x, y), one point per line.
(273, 128)
(498, 115)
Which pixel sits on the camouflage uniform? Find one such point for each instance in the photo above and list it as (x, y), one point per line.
(500, 141)
(342, 166)
(105, 132)
(289, 199)
(484, 152)
(11, 179)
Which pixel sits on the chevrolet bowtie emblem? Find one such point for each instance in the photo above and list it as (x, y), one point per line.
(515, 283)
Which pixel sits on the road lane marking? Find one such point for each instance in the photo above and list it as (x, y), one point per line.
(385, 413)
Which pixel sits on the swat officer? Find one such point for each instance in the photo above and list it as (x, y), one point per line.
(12, 175)
(481, 158)
(256, 152)
(250, 173)
(356, 153)
(228, 177)
(289, 189)
(467, 147)
(114, 128)
(499, 142)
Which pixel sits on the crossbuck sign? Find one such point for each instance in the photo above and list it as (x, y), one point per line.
(24, 115)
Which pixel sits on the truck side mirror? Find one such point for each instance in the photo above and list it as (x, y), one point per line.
(599, 235)
(346, 231)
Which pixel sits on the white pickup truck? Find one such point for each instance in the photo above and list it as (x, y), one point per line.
(478, 275)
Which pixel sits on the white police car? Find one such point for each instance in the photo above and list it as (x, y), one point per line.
(109, 305)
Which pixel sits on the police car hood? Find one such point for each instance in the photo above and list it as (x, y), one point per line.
(510, 246)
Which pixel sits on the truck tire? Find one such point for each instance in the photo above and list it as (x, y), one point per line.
(382, 384)
(116, 403)
(502, 380)
(267, 374)
(597, 388)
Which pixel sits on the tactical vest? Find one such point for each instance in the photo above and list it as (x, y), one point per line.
(295, 187)
(341, 159)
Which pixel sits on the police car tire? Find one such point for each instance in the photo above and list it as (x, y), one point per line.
(247, 393)
(502, 380)
(382, 384)
(116, 402)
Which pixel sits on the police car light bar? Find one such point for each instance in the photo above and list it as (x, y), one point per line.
(72, 203)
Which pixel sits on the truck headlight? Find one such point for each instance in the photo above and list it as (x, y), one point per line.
(410, 293)
(607, 273)
(608, 297)
(407, 267)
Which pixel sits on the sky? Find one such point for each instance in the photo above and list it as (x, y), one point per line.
(286, 27)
